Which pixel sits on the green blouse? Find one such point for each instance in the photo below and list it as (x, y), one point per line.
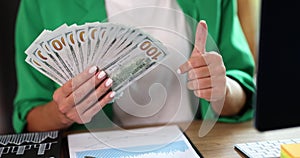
(34, 16)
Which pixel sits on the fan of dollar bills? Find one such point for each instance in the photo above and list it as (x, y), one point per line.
(125, 53)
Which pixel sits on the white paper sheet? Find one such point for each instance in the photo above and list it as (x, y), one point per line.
(150, 142)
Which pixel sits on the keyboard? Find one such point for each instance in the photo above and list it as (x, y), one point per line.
(264, 149)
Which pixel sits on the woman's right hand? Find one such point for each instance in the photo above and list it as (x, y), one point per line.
(82, 97)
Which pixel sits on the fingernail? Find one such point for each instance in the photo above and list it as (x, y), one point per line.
(203, 21)
(108, 82)
(93, 69)
(112, 94)
(178, 71)
(101, 75)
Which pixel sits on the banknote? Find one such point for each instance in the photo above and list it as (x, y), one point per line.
(125, 53)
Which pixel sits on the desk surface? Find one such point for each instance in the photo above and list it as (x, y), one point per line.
(219, 142)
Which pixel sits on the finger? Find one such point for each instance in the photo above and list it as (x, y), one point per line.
(216, 92)
(204, 93)
(210, 94)
(199, 84)
(217, 82)
(70, 101)
(93, 97)
(193, 62)
(213, 57)
(200, 39)
(198, 73)
(61, 95)
(78, 80)
(87, 116)
(87, 87)
(199, 48)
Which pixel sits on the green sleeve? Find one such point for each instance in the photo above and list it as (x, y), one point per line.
(237, 58)
(33, 87)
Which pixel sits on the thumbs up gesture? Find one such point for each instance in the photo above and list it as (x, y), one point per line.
(206, 70)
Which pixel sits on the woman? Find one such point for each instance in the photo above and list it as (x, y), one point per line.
(221, 81)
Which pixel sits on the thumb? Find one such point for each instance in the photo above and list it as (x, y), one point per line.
(200, 39)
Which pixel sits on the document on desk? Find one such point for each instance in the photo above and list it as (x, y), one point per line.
(150, 142)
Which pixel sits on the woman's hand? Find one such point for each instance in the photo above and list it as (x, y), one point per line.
(78, 100)
(207, 77)
(82, 97)
(206, 70)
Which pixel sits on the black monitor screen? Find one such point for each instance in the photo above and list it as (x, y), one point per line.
(278, 74)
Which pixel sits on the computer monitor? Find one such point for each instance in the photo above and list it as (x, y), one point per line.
(278, 72)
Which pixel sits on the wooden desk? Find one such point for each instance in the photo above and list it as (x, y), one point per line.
(219, 142)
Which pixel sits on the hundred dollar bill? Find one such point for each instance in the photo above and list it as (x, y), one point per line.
(142, 58)
(74, 48)
(103, 37)
(56, 61)
(122, 34)
(96, 52)
(125, 37)
(57, 43)
(38, 58)
(130, 41)
(93, 30)
(82, 37)
(125, 53)
(38, 65)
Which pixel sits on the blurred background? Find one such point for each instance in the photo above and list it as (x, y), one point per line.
(8, 84)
